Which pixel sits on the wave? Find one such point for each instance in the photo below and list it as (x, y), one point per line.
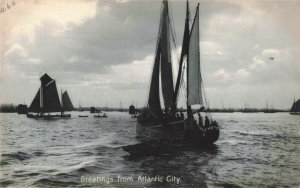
(6, 183)
(19, 156)
(54, 183)
(254, 133)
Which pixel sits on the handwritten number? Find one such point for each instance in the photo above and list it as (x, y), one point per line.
(13, 3)
(8, 6)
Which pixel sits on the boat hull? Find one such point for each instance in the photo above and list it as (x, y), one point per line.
(49, 116)
(295, 113)
(100, 116)
(176, 133)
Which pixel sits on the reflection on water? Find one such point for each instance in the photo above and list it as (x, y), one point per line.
(253, 150)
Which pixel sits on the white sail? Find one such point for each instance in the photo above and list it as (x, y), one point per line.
(194, 75)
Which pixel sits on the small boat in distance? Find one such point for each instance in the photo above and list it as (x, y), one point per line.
(83, 116)
(160, 126)
(47, 101)
(295, 110)
(271, 110)
(101, 116)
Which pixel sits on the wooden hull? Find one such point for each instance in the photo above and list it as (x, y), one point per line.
(50, 116)
(176, 132)
(99, 116)
(159, 132)
(295, 113)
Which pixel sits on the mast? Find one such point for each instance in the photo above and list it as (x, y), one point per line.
(41, 100)
(62, 102)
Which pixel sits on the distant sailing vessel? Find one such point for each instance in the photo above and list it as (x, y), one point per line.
(47, 100)
(267, 110)
(167, 126)
(66, 104)
(295, 110)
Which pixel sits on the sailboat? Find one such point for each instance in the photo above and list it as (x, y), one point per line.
(47, 101)
(156, 124)
(267, 110)
(295, 110)
(66, 104)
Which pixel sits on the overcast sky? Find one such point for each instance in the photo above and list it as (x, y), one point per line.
(102, 51)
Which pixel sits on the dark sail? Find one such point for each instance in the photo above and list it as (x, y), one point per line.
(154, 101)
(184, 52)
(296, 106)
(35, 105)
(45, 79)
(66, 102)
(51, 101)
(166, 66)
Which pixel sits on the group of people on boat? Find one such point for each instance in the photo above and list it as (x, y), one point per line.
(206, 124)
(166, 116)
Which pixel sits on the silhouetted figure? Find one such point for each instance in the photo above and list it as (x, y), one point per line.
(206, 122)
(181, 116)
(189, 112)
(200, 120)
(177, 116)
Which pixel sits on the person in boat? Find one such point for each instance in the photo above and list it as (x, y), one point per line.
(214, 124)
(177, 117)
(189, 111)
(206, 122)
(200, 120)
(181, 116)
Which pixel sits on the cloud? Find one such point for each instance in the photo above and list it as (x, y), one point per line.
(242, 73)
(271, 53)
(107, 48)
(16, 50)
(257, 64)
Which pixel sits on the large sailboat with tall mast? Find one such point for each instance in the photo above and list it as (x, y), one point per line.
(47, 101)
(156, 124)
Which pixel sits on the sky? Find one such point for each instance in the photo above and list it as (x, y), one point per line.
(102, 51)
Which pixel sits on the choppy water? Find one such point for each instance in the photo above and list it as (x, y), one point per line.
(254, 150)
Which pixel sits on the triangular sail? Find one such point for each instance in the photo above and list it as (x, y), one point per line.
(35, 105)
(154, 100)
(66, 102)
(296, 106)
(51, 101)
(184, 52)
(166, 66)
(194, 93)
(45, 79)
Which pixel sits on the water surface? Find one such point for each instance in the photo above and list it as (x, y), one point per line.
(254, 150)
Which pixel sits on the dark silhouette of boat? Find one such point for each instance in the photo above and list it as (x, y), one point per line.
(131, 109)
(47, 101)
(83, 116)
(295, 110)
(101, 116)
(22, 109)
(167, 126)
